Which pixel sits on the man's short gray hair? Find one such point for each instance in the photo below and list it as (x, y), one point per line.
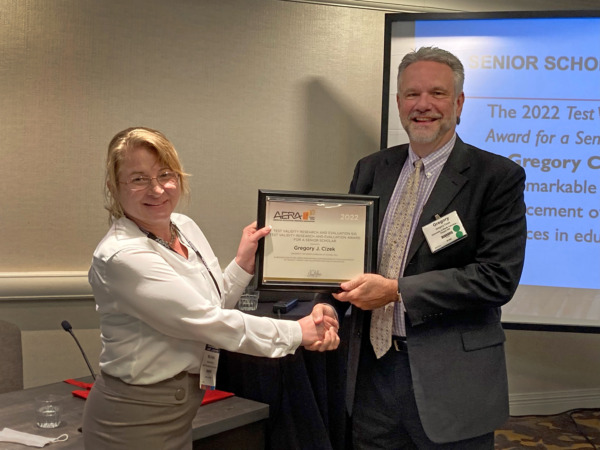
(436, 55)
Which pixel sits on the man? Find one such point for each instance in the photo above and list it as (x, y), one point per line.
(439, 380)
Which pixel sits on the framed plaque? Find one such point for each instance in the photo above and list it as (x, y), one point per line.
(317, 240)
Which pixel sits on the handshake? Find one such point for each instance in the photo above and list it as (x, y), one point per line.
(320, 329)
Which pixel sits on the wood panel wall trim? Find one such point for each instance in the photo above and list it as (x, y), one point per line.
(44, 286)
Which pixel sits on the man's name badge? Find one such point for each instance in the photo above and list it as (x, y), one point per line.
(444, 231)
(208, 369)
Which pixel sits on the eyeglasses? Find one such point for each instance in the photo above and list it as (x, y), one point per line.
(166, 179)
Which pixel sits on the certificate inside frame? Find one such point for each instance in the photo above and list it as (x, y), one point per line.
(318, 240)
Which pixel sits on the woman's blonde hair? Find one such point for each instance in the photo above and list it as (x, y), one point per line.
(130, 139)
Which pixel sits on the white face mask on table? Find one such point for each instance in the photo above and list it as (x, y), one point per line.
(32, 440)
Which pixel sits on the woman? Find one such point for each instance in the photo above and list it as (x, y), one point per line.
(162, 299)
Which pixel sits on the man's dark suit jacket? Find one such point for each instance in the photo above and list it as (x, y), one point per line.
(453, 297)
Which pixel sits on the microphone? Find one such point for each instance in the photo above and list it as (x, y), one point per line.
(69, 329)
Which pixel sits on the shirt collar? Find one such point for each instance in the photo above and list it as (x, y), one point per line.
(434, 159)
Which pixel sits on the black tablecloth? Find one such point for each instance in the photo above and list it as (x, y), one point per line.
(305, 391)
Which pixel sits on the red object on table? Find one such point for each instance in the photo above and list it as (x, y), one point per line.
(215, 395)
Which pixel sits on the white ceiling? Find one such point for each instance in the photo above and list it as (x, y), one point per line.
(462, 5)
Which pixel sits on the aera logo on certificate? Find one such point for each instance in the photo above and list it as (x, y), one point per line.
(313, 241)
(294, 216)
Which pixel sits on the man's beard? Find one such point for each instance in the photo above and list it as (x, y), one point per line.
(426, 136)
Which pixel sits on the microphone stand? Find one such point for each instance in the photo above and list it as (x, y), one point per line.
(69, 329)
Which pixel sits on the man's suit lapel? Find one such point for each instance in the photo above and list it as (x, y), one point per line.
(386, 176)
(450, 182)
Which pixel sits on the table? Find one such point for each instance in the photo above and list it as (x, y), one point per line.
(217, 425)
(305, 391)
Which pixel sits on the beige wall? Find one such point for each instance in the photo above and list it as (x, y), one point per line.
(254, 94)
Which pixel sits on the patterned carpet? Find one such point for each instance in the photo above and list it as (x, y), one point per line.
(578, 429)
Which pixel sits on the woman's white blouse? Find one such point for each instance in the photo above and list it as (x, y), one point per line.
(158, 310)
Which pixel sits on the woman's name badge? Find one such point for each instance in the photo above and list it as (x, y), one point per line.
(444, 231)
(208, 369)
